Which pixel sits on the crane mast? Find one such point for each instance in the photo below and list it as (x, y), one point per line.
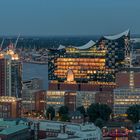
(1, 44)
(16, 41)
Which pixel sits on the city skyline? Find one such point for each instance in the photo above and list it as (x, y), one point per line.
(51, 17)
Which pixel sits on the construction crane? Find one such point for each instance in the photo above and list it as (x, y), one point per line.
(16, 41)
(1, 44)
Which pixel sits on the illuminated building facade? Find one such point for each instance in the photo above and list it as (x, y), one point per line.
(85, 98)
(127, 92)
(124, 98)
(55, 99)
(33, 101)
(10, 107)
(93, 63)
(40, 101)
(71, 99)
(10, 74)
(33, 96)
(74, 100)
(104, 98)
(129, 77)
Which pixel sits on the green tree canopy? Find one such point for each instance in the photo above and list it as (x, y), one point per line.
(50, 112)
(63, 110)
(133, 113)
(96, 111)
(99, 122)
(82, 110)
(65, 118)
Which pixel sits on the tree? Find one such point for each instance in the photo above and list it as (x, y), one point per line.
(99, 122)
(50, 112)
(105, 112)
(63, 110)
(82, 110)
(65, 118)
(93, 112)
(96, 111)
(133, 113)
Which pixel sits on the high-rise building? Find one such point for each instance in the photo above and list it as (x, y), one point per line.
(80, 72)
(93, 63)
(2, 76)
(10, 74)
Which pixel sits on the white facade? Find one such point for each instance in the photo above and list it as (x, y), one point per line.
(86, 131)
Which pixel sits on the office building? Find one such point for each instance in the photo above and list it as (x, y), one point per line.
(124, 98)
(71, 99)
(33, 101)
(10, 74)
(128, 77)
(33, 97)
(104, 98)
(10, 107)
(40, 101)
(127, 92)
(85, 98)
(55, 99)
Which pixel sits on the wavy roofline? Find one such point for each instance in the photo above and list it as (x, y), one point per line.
(86, 46)
(117, 36)
(92, 43)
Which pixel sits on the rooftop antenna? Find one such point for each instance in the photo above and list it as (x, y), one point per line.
(1, 44)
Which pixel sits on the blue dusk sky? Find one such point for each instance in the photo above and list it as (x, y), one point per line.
(69, 17)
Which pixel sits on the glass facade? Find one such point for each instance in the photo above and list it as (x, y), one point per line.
(124, 98)
(55, 99)
(10, 74)
(16, 78)
(93, 64)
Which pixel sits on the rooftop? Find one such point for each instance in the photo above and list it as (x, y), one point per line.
(7, 123)
(13, 129)
(92, 43)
